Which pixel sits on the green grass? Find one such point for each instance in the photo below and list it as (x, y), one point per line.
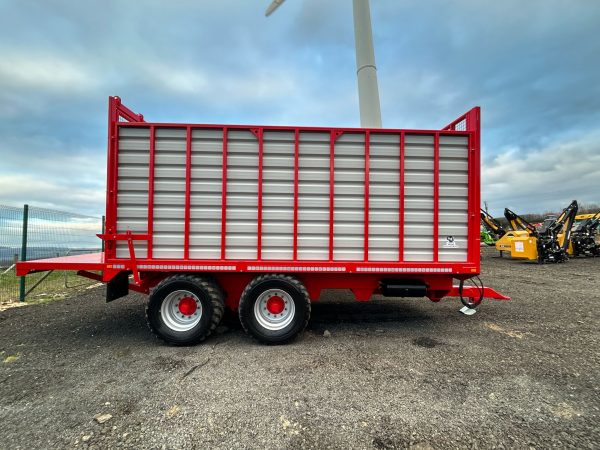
(52, 288)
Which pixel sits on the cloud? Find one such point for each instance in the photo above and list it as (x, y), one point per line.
(43, 72)
(208, 86)
(543, 179)
(60, 194)
(532, 66)
(528, 64)
(48, 172)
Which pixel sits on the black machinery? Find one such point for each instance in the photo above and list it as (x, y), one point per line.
(553, 239)
(584, 237)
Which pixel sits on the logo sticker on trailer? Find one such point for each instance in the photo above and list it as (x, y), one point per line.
(450, 242)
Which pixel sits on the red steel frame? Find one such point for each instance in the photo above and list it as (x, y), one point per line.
(332, 139)
(188, 192)
(296, 179)
(366, 216)
(401, 202)
(224, 196)
(362, 277)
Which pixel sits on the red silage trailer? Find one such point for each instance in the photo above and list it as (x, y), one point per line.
(261, 219)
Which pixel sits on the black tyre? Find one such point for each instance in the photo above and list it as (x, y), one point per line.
(274, 308)
(185, 309)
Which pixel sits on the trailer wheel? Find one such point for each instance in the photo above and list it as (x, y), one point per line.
(274, 308)
(185, 309)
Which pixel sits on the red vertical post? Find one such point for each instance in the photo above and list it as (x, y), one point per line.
(401, 194)
(111, 174)
(474, 180)
(296, 163)
(366, 213)
(436, 195)
(260, 189)
(151, 191)
(116, 111)
(188, 192)
(331, 190)
(224, 197)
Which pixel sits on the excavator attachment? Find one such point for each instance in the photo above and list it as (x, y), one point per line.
(517, 223)
(549, 245)
(518, 228)
(553, 242)
(492, 225)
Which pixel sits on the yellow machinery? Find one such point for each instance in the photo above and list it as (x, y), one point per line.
(504, 243)
(526, 247)
(551, 243)
(517, 228)
(580, 217)
(520, 229)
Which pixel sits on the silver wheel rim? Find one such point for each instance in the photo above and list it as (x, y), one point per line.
(173, 317)
(269, 320)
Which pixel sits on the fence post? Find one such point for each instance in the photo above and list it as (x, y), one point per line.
(103, 227)
(23, 251)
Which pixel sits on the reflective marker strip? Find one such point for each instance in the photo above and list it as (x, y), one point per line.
(183, 267)
(405, 270)
(291, 268)
(298, 269)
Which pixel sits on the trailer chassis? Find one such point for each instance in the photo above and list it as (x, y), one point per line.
(188, 296)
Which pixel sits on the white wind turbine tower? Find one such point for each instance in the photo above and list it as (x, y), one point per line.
(366, 71)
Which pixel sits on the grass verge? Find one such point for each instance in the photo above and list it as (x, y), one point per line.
(57, 285)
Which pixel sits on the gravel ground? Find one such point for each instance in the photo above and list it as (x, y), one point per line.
(393, 374)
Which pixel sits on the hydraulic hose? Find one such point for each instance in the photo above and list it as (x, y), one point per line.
(479, 287)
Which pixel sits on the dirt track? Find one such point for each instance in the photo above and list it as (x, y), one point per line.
(393, 374)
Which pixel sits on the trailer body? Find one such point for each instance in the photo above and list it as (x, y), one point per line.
(334, 207)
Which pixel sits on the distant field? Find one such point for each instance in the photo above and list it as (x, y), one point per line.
(7, 253)
(57, 285)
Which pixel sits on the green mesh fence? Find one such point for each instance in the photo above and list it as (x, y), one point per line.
(11, 227)
(49, 234)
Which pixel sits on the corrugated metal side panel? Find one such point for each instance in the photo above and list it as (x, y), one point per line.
(132, 195)
(169, 193)
(453, 195)
(242, 195)
(349, 197)
(384, 201)
(313, 196)
(278, 195)
(206, 194)
(418, 201)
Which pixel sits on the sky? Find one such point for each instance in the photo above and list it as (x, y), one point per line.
(533, 66)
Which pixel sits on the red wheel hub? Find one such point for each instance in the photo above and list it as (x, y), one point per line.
(187, 306)
(275, 305)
